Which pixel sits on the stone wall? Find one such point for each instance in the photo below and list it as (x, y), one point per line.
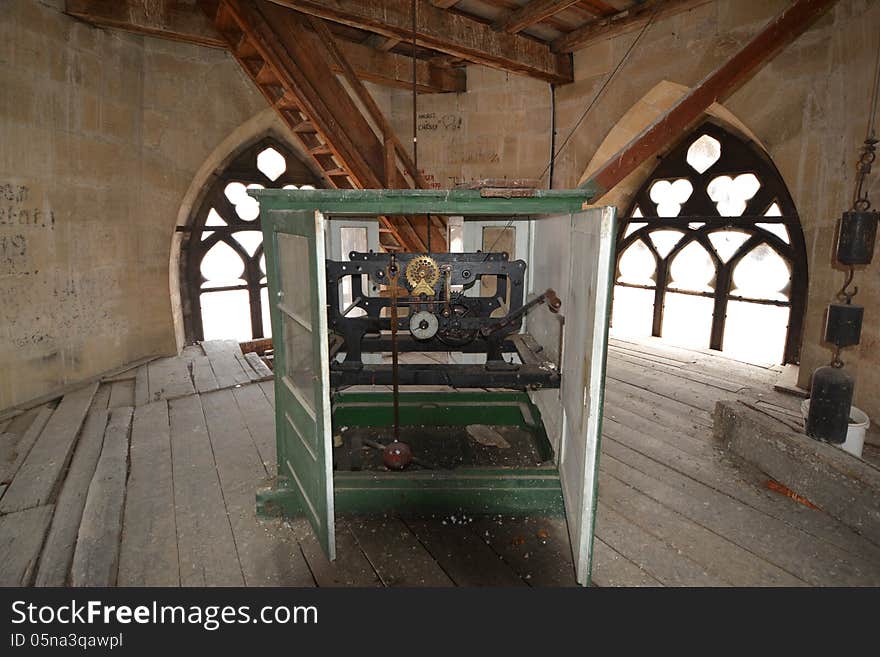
(808, 108)
(101, 134)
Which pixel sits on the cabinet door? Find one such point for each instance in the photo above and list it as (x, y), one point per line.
(586, 308)
(294, 243)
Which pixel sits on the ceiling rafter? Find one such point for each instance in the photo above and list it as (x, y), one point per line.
(531, 13)
(620, 23)
(446, 31)
(172, 19)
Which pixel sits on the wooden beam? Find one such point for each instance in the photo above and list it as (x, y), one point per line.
(717, 86)
(531, 13)
(620, 23)
(168, 19)
(444, 4)
(445, 31)
(184, 22)
(393, 70)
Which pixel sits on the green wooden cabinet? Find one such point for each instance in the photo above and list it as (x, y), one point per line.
(571, 250)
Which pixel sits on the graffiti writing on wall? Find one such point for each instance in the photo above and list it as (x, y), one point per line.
(430, 121)
(18, 209)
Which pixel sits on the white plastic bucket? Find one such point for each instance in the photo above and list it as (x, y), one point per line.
(855, 433)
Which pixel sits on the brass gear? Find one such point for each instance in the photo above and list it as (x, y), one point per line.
(422, 274)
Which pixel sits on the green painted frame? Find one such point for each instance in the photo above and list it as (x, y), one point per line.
(479, 490)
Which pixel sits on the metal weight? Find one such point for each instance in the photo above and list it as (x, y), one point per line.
(830, 402)
(843, 325)
(855, 241)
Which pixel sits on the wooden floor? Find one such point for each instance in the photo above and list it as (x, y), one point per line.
(149, 479)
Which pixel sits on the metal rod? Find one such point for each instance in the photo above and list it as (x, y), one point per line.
(393, 273)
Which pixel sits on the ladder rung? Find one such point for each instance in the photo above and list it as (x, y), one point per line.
(336, 172)
(305, 126)
(323, 149)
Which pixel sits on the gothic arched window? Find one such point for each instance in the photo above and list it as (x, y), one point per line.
(711, 253)
(224, 270)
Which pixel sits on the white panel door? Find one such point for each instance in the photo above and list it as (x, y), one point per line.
(586, 308)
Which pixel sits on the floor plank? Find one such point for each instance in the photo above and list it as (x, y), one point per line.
(259, 417)
(204, 537)
(142, 386)
(40, 474)
(462, 555)
(15, 445)
(224, 356)
(351, 567)
(268, 388)
(96, 557)
(723, 560)
(61, 541)
(536, 548)
(148, 552)
(610, 568)
(794, 551)
(122, 393)
(268, 552)
(203, 374)
(396, 554)
(21, 535)
(169, 379)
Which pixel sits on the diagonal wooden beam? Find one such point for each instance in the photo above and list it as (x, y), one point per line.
(180, 21)
(531, 13)
(445, 31)
(715, 87)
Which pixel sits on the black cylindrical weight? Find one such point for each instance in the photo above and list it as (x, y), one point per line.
(843, 325)
(855, 242)
(830, 402)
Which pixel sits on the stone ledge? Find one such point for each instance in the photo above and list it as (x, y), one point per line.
(842, 485)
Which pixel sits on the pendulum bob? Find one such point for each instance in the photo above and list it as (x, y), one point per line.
(830, 401)
(397, 455)
(843, 325)
(855, 242)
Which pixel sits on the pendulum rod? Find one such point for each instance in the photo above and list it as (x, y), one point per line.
(393, 274)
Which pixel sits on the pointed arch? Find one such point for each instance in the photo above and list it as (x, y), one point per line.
(222, 280)
(719, 190)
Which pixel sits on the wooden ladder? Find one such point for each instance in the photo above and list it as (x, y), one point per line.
(290, 64)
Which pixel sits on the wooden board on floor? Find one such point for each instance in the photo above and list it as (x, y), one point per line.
(268, 388)
(15, 445)
(268, 552)
(37, 479)
(204, 536)
(225, 357)
(96, 557)
(142, 386)
(350, 568)
(462, 555)
(203, 374)
(21, 535)
(261, 370)
(122, 393)
(61, 541)
(148, 551)
(721, 559)
(610, 568)
(259, 417)
(536, 548)
(770, 538)
(169, 378)
(396, 554)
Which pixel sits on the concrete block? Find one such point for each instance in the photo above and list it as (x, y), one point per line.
(840, 484)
